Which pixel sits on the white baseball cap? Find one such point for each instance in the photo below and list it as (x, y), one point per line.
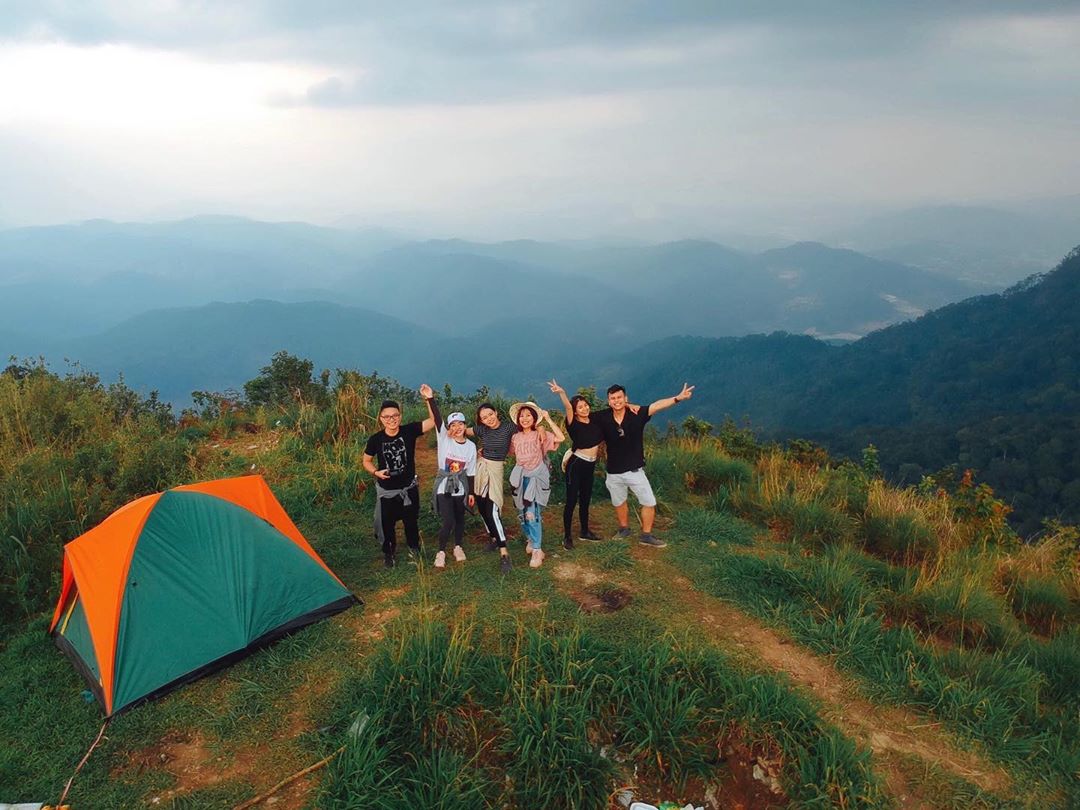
(456, 416)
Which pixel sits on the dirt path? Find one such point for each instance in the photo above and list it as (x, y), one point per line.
(893, 734)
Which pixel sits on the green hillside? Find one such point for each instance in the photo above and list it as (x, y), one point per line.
(811, 637)
(992, 382)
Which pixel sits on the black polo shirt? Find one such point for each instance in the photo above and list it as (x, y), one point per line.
(625, 441)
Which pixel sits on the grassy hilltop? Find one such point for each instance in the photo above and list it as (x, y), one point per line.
(811, 637)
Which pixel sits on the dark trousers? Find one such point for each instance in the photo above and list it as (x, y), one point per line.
(452, 511)
(393, 510)
(579, 483)
(490, 512)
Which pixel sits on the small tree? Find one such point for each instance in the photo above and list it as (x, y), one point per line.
(286, 381)
(698, 428)
(871, 465)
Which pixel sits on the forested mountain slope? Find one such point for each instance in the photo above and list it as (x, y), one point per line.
(991, 382)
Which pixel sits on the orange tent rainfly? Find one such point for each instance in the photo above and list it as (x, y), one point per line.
(178, 584)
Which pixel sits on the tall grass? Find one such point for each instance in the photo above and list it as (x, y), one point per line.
(71, 451)
(834, 607)
(551, 741)
(662, 712)
(540, 718)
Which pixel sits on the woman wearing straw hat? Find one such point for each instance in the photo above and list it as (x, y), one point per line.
(530, 480)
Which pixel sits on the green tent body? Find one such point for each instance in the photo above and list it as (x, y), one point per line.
(179, 584)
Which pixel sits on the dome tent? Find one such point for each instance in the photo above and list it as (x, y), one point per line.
(175, 585)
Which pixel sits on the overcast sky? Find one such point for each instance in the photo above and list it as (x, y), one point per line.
(542, 119)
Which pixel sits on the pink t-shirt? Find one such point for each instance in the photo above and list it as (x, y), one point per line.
(528, 449)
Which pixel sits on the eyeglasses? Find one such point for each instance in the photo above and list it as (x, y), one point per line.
(391, 417)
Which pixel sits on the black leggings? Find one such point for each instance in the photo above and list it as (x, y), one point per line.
(490, 512)
(579, 483)
(452, 511)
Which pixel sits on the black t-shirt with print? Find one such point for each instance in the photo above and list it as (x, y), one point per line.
(625, 441)
(396, 454)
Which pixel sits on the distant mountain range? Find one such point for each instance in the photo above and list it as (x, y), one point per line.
(994, 244)
(80, 280)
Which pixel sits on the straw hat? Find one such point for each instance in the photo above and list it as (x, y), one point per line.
(517, 406)
(566, 459)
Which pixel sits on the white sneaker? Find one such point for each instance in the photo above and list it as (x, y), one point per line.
(528, 547)
(537, 558)
(440, 560)
(459, 554)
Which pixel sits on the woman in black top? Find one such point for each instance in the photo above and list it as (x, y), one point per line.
(581, 464)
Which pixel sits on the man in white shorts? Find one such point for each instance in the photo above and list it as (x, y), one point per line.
(624, 434)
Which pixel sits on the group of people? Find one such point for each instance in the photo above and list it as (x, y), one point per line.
(467, 477)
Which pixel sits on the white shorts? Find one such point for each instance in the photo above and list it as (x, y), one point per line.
(619, 484)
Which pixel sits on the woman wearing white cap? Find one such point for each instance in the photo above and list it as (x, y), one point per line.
(453, 480)
(530, 478)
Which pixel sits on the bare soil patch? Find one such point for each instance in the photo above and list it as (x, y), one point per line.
(746, 778)
(191, 762)
(601, 600)
(574, 572)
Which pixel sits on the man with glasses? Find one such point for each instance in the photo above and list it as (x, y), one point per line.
(624, 435)
(397, 489)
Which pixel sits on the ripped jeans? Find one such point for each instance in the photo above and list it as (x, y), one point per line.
(530, 519)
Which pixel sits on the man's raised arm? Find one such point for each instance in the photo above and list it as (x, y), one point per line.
(667, 402)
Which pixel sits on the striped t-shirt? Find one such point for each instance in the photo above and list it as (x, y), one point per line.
(495, 442)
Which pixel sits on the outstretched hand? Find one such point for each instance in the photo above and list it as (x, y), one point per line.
(426, 392)
(686, 393)
(555, 387)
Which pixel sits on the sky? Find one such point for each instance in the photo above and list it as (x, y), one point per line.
(493, 120)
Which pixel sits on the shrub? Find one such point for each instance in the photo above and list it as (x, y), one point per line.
(813, 522)
(848, 490)
(959, 608)
(1059, 661)
(901, 538)
(1041, 601)
(704, 525)
(696, 466)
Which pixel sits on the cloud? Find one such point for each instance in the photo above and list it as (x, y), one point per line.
(484, 50)
(479, 111)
